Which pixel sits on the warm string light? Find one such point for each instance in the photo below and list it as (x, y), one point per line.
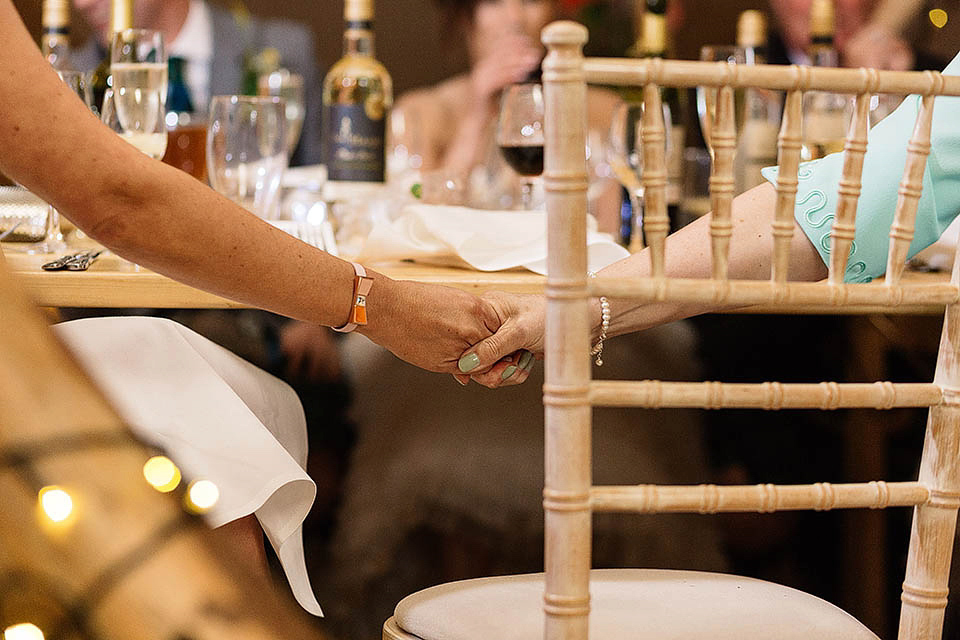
(162, 474)
(56, 504)
(23, 631)
(201, 496)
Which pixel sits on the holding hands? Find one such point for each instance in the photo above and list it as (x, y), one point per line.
(507, 356)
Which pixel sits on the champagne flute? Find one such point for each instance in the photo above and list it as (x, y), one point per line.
(707, 96)
(520, 133)
(53, 242)
(135, 106)
(289, 86)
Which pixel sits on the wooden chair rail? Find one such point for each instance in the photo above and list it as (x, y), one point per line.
(761, 498)
(736, 293)
(657, 394)
(692, 73)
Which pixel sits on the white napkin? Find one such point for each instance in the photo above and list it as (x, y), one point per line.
(483, 240)
(217, 416)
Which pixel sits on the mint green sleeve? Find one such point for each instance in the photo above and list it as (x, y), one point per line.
(882, 171)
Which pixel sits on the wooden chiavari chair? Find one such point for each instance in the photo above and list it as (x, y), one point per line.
(126, 562)
(631, 603)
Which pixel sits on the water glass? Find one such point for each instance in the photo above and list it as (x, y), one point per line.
(79, 82)
(289, 86)
(247, 150)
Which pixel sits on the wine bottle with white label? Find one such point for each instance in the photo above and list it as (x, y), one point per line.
(357, 96)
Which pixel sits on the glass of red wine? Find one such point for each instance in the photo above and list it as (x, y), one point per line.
(520, 133)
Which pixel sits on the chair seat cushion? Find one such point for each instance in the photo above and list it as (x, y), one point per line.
(630, 603)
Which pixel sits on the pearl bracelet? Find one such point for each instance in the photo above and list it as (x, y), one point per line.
(604, 326)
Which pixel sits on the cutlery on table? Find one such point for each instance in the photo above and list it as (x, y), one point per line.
(79, 261)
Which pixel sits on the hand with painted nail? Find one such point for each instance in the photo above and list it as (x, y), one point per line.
(507, 356)
(428, 325)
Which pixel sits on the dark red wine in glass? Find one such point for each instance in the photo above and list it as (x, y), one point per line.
(520, 133)
(526, 160)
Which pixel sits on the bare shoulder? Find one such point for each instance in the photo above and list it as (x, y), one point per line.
(436, 102)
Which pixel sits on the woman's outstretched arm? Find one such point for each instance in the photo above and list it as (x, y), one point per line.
(687, 256)
(163, 219)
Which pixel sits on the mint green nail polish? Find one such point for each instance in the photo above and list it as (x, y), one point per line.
(468, 362)
(525, 359)
(530, 363)
(508, 372)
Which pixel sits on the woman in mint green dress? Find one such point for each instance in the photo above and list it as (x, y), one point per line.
(688, 253)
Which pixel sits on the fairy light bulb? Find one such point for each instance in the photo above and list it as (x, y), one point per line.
(202, 495)
(162, 474)
(56, 504)
(23, 631)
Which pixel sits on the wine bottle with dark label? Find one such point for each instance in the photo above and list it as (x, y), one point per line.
(357, 96)
(55, 36)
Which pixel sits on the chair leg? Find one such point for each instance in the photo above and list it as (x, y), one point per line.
(392, 631)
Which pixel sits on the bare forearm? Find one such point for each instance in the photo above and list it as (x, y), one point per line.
(688, 256)
(147, 211)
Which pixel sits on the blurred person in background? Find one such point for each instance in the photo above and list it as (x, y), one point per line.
(451, 127)
(869, 33)
(219, 46)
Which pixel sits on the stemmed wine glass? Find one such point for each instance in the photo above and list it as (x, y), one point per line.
(520, 133)
(135, 105)
(53, 242)
(289, 86)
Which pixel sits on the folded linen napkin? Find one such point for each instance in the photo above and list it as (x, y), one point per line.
(483, 240)
(216, 415)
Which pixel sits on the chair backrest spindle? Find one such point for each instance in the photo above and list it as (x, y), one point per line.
(848, 193)
(566, 494)
(788, 159)
(723, 141)
(901, 232)
(656, 222)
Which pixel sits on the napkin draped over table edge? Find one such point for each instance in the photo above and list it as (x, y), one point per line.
(217, 416)
(479, 239)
